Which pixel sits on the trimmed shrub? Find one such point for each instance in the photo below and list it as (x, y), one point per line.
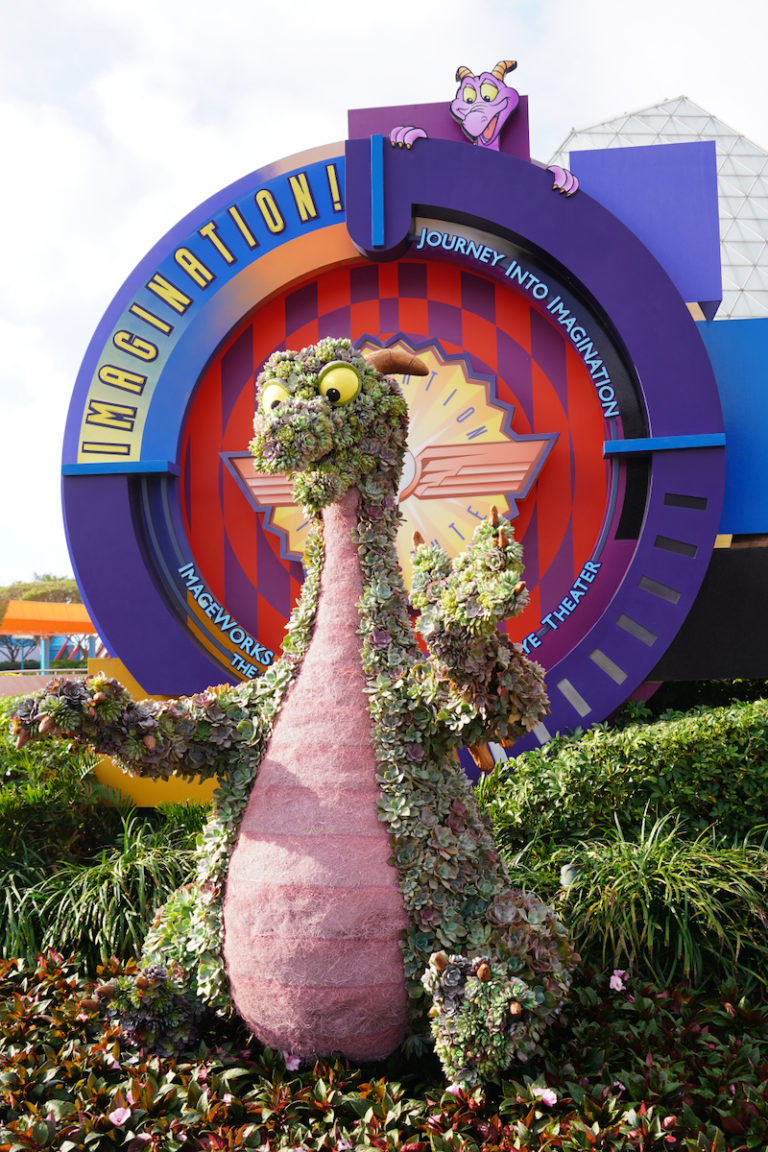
(709, 767)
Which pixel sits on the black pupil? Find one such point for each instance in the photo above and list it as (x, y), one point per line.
(333, 395)
(274, 404)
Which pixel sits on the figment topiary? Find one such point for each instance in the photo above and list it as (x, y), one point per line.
(347, 886)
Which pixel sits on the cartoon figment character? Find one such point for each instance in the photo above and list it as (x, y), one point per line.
(482, 106)
(484, 103)
(347, 887)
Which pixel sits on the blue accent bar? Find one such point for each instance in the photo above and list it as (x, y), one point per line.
(664, 443)
(377, 191)
(107, 468)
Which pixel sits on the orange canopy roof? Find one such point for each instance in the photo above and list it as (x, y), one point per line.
(41, 618)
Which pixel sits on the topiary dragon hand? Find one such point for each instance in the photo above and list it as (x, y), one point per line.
(461, 602)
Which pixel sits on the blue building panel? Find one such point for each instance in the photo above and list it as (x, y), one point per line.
(667, 195)
(738, 350)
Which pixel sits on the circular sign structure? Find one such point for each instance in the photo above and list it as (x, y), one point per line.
(540, 320)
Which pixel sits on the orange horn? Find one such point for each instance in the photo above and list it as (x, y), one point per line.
(396, 362)
(462, 73)
(503, 66)
(481, 755)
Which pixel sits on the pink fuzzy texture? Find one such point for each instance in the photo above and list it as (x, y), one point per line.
(313, 915)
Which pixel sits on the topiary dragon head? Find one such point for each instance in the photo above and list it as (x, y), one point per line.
(329, 418)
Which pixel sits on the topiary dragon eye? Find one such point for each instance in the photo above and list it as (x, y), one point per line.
(339, 382)
(273, 396)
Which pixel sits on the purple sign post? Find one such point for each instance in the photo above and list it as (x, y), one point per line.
(255, 263)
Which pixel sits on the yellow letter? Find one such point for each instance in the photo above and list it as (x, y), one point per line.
(169, 292)
(208, 231)
(248, 236)
(121, 416)
(150, 318)
(193, 267)
(270, 210)
(134, 345)
(302, 194)
(120, 378)
(105, 449)
(333, 184)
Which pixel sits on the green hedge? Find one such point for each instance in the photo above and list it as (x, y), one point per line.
(709, 766)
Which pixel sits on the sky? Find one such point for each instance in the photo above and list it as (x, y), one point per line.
(118, 118)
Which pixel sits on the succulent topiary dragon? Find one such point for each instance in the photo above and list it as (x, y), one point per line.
(347, 886)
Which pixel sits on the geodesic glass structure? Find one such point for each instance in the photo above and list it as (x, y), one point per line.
(742, 173)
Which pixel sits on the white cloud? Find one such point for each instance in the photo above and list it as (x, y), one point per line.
(35, 396)
(116, 119)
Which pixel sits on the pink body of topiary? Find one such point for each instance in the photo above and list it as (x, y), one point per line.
(313, 914)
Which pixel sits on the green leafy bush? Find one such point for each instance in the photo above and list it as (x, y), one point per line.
(710, 767)
(51, 805)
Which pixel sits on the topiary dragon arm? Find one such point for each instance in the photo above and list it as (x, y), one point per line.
(192, 736)
(492, 690)
(213, 733)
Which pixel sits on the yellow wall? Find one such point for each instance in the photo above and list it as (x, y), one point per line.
(145, 793)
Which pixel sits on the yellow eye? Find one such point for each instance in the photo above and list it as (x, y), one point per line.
(273, 396)
(339, 382)
(488, 91)
(469, 95)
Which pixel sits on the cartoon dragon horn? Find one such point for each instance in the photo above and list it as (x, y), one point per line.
(462, 72)
(500, 70)
(396, 361)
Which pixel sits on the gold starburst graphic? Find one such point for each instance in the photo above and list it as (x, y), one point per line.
(462, 457)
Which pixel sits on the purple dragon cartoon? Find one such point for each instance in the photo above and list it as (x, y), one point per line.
(483, 104)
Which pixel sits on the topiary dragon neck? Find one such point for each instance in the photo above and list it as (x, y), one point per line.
(340, 522)
(311, 840)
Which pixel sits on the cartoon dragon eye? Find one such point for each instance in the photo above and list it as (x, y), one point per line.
(469, 95)
(273, 396)
(488, 91)
(339, 382)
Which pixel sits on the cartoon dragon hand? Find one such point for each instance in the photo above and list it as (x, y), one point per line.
(565, 181)
(471, 593)
(405, 137)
